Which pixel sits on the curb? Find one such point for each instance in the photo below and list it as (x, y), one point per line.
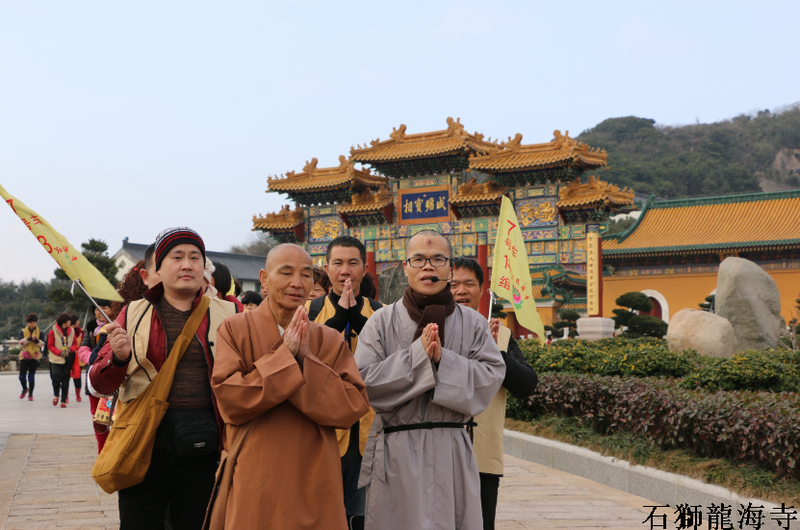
(650, 483)
(4, 436)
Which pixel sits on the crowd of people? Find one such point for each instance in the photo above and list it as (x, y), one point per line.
(336, 411)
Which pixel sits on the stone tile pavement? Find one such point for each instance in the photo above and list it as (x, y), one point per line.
(45, 484)
(45, 481)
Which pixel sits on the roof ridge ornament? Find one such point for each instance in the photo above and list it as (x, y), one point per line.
(345, 165)
(398, 135)
(455, 128)
(512, 144)
(311, 167)
(563, 141)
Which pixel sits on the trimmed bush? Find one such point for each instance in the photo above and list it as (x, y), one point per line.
(647, 326)
(644, 357)
(750, 370)
(747, 426)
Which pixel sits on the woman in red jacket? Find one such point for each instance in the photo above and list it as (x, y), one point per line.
(59, 342)
(75, 365)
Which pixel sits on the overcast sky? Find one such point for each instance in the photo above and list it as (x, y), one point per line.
(124, 118)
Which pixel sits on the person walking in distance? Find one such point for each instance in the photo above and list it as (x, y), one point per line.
(60, 341)
(31, 340)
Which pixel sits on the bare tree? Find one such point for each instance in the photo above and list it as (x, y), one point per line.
(257, 244)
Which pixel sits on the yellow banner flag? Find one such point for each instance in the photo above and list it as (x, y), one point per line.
(511, 278)
(68, 258)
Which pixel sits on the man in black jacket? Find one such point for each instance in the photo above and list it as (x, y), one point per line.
(467, 288)
(346, 310)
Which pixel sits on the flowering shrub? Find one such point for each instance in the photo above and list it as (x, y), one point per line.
(758, 427)
(749, 370)
(642, 357)
(777, 370)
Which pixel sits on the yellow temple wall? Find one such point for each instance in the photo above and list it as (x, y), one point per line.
(687, 291)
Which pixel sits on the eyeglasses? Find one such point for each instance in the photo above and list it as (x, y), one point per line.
(418, 263)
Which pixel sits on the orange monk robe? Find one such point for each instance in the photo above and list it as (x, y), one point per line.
(288, 474)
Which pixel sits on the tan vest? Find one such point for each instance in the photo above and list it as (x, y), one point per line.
(138, 320)
(34, 349)
(488, 440)
(61, 342)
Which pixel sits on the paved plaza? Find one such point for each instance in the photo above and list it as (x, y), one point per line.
(45, 482)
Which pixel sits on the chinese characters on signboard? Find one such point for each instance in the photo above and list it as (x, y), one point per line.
(593, 273)
(424, 204)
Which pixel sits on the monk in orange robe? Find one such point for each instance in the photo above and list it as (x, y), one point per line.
(302, 380)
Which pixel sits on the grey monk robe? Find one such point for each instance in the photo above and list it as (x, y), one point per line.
(425, 479)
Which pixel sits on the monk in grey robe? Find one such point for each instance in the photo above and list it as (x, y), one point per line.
(429, 365)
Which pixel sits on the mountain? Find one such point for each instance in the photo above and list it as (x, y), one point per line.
(703, 159)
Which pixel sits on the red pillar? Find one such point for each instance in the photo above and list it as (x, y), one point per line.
(371, 269)
(483, 258)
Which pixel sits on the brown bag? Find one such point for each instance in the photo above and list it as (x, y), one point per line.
(125, 457)
(218, 505)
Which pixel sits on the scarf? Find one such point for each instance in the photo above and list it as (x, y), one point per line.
(31, 351)
(426, 309)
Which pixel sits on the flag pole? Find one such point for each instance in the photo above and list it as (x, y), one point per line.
(492, 300)
(78, 283)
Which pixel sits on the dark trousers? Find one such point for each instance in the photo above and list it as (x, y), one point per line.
(27, 374)
(71, 360)
(489, 486)
(59, 374)
(355, 498)
(184, 484)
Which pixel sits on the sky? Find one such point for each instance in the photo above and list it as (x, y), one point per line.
(121, 119)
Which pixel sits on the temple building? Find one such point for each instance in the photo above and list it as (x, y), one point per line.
(453, 181)
(673, 252)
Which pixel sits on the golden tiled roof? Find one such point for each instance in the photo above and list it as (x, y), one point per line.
(536, 289)
(367, 202)
(313, 178)
(473, 193)
(712, 223)
(563, 151)
(402, 146)
(592, 194)
(539, 274)
(285, 219)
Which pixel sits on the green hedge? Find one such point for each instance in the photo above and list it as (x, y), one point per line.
(641, 357)
(747, 426)
(775, 370)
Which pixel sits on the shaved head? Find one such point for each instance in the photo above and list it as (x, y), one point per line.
(283, 250)
(430, 234)
(289, 277)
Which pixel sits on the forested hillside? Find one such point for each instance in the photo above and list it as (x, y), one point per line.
(703, 159)
(17, 300)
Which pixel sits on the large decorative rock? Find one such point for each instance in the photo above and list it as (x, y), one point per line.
(392, 284)
(707, 333)
(748, 297)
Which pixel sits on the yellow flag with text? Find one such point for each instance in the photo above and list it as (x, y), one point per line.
(511, 277)
(68, 258)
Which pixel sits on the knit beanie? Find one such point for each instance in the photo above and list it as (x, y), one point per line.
(176, 236)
